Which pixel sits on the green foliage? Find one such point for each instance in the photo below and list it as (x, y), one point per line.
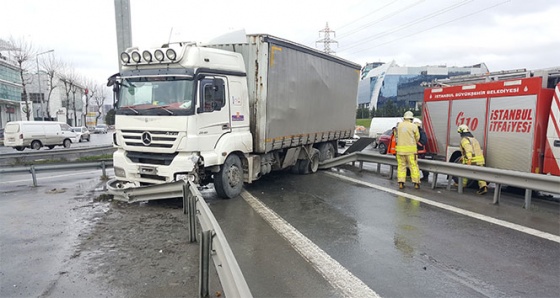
(363, 122)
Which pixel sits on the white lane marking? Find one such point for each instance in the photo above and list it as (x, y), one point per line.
(30, 179)
(489, 219)
(338, 276)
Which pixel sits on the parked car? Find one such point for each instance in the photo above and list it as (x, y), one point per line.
(1, 137)
(100, 128)
(82, 133)
(384, 140)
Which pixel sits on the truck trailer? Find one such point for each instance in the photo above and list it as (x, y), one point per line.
(228, 113)
(514, 115)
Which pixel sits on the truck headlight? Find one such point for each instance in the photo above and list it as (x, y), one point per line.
(119, 172)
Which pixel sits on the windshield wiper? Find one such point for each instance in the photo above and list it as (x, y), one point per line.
(135, 111)
(165, 108)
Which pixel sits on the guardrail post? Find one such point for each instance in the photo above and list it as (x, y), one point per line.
(33, 175)
(361, 165)
(391, 172)
(449, 183)
(103, 171)
(434, 180)
(378, 168)
(191, 213)
(185, 195)
(460, 184)
(204, 268)
(528, 193)
(497, 193)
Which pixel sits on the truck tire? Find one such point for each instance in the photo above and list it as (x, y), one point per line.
(307, 166)
(228, 182)
(326, 151)
(36, 145)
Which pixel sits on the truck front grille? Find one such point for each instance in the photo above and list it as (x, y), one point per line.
(150, 139)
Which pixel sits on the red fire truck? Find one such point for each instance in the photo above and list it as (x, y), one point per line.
(516, 119)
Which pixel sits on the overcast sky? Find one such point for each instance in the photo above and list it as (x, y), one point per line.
(504, 34)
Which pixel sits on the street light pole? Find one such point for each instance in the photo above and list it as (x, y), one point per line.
(39, 82)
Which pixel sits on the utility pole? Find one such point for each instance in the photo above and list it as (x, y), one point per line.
(326, 41)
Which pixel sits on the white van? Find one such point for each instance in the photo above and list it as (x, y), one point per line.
(381, 124)
(36, 134)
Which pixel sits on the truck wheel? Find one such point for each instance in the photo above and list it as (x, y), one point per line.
(36, 145)
(310, 165)
(326, 151)
(228, 182)
(67, 143)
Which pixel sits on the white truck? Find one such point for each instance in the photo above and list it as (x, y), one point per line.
(514, 114)
(229, 113)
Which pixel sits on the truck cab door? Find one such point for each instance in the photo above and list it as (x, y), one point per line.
(213, 112)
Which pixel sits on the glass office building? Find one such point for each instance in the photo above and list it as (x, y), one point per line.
(10, 92)
(403, 85)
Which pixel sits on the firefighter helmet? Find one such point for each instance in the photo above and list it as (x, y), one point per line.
(408, 115)
(462, 128)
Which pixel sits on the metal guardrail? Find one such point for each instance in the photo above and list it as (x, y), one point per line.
(213, 242)
(528, 181)
(33, 169)
(64, 154)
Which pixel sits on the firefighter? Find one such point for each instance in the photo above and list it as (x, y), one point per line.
(472, 154)
(407, 137)
(421, 146)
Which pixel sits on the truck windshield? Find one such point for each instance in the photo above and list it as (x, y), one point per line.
(156, 96)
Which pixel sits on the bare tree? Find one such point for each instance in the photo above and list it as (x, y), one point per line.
(90, 92)
(99, 99)
(21, 51)
(53, 67)
(69, 79)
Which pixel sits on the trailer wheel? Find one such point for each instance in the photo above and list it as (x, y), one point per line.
(228, 182)
(326, 151)
(36, 145)
(310, 165)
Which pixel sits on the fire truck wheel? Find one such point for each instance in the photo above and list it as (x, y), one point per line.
(228, 182)
(470, 183)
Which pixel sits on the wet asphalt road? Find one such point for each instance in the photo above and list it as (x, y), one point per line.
(380, 242)
(397, 246)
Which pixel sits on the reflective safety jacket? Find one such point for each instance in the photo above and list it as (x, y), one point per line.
(470, 148)
(407, 137)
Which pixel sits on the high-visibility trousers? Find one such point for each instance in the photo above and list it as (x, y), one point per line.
(411, 161)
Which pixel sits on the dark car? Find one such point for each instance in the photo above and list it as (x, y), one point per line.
(384, 141)
(1, 137)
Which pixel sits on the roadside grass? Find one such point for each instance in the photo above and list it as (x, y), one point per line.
(363, 122)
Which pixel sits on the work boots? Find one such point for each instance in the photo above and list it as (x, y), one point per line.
(417, 185)
(482, 190)
(401, 185)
